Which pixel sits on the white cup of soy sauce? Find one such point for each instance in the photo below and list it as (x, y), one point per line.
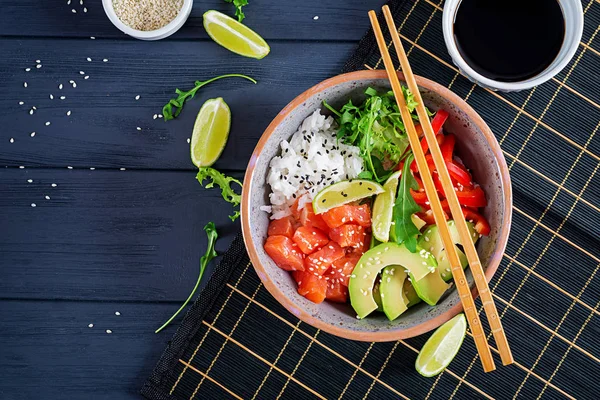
(512, 45)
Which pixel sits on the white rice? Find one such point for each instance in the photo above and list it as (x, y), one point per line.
(312, 160)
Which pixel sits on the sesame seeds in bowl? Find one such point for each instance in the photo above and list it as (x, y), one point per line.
(148, 19)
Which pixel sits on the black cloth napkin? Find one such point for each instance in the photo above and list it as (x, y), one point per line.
(236, 341)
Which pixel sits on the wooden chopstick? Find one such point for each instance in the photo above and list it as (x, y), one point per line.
(459, 220)
(460, 280)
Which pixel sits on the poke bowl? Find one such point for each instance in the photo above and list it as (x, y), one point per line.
(306, 249)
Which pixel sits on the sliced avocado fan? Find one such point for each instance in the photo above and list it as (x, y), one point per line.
(393, 299)
(372, 262)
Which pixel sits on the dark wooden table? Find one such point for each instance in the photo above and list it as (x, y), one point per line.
(121, 230)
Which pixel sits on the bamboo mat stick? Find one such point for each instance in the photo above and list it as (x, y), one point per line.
(468, 245)
(457, 272)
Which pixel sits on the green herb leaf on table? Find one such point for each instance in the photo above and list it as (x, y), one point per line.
(238, 8)
(224, 182)
(211, 232)
(173, 108)
(404, 207)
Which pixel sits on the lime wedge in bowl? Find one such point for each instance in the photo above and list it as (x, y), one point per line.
(344, 192)
(234, 36)
(441, 348)
(383, 208)
(210, 132)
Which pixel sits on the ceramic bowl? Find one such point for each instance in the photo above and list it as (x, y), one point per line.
(475, 144)
(155, 34)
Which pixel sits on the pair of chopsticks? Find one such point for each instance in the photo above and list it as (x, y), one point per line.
(474, 263)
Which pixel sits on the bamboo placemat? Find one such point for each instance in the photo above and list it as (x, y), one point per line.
(245, 345)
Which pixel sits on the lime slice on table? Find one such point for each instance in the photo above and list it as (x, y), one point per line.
(383, 208)
(210, 132)
(441, 347)
(344, 192)
(234, 36)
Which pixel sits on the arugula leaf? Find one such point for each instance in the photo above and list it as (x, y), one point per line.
(238, 8)
(178, 102)
(404, 207)
(224, 182)
(212, 234)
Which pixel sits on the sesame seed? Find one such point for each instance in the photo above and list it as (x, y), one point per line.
(105, 60)
(38, 66)
(38, 61)
(427, 238)
(33, 205)
(92, 37)
(188, 140)
(30, 180)
(316, 17)
(160, 115)
(51, 97)
(137, 97)
(154, 116)
(47, 123)
(108, 331)
(21, 167)
(24, 84)
(74, 84)
(84, 9)
(54, 185)
(74, 11)
(68, 113)
(27, 69)
(47, 197)
(31, 112)
(86, 77)
(12, 140)
(117, 313)
(90, 325)
(21, 103)
(69, 167)
(122, 169)
(89, 59)
(32, 134)
(138, 128)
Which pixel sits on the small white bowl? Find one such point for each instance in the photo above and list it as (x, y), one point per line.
(573, 15)
(156, 34)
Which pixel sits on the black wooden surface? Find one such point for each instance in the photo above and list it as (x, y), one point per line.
(128, 240)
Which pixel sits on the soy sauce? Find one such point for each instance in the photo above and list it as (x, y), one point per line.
(509, 40)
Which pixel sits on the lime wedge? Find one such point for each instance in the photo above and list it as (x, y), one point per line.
(210, 132)
(344, 192)
(441, 348)
(384, 207)
(234, 36)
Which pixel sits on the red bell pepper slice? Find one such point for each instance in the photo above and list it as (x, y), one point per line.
(459, 174)
(420, 198)
(482, 226)
(447, 147)
(472, 197)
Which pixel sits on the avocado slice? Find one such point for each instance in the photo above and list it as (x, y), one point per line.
(431, 288)
(431, 240)
(393, 299)
(373, 261)
(410, 293)
(377, 297)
